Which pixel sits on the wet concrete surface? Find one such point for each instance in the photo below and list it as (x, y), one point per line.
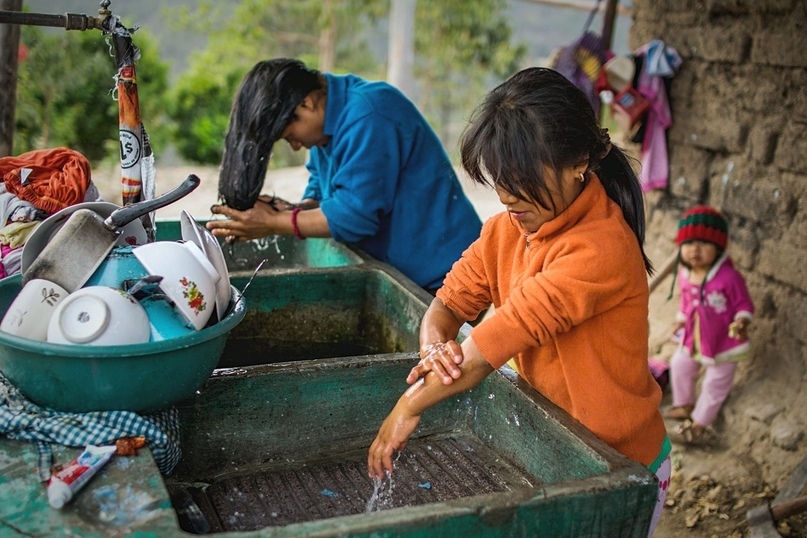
(433, 469)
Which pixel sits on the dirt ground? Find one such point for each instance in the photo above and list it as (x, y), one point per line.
(713, 486)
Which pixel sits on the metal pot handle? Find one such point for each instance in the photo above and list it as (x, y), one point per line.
(123, 216)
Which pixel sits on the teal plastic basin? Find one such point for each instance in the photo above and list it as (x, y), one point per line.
(142, 377)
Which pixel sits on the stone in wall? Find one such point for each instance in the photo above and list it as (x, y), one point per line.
(730, 43)
(755, 192)
(785, 261)
(773, 44)
(762, 143)
(701, 114)
(689, 166)
(791, 154)
(743, 245)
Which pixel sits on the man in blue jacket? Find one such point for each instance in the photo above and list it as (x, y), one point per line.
(379, 176)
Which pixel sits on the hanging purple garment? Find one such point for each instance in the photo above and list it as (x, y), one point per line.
(581, 62)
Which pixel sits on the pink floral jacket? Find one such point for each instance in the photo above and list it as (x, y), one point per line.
(721, 299)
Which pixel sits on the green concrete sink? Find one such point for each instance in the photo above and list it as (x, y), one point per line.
(320, 314)
(279, 251)
(275, 442)
(280, 450)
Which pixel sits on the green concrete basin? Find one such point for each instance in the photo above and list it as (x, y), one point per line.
(280, 450)
(280, 251)
(320, 314)
(275, 442)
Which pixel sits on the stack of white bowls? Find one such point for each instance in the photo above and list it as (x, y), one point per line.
(94, 315)
(195, 288)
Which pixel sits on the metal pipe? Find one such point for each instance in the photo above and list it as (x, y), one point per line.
(9, 59)
(68, 21)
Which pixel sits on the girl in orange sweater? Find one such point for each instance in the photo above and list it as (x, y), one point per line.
(564, 268)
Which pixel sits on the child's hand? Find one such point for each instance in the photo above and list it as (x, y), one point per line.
(677, 332)
(440, 358)
(391, 438)
(738, 329)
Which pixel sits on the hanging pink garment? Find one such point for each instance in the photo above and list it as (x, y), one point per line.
(655, 162)
(660, 61)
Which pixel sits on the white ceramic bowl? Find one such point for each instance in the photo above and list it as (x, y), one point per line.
(99, 316)
(199, 235)
(131, 234)
(30, 313)
(189, 279)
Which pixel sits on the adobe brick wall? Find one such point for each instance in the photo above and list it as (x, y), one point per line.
(739, 142)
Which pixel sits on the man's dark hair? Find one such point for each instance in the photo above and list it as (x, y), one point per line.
(263, 107)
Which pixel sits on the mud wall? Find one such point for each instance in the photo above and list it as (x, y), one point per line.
(739, 142)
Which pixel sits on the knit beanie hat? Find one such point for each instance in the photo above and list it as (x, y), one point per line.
(703, 223)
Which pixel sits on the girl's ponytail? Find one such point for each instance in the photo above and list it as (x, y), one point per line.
(622, 186)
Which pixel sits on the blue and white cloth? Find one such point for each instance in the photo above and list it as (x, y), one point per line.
(661, 60)
(22, 419)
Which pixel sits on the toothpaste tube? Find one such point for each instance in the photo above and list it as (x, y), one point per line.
(64, 484)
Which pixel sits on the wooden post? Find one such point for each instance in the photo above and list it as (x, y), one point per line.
(608, 22)
(9, 51)
(401, 55)
(327, 38)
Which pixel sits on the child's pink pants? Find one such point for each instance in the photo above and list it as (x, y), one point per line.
(715, 387)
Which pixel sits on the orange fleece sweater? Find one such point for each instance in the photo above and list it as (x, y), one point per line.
(571, 305)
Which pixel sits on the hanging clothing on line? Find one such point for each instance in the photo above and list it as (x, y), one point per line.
(659, 61)
(581, 62)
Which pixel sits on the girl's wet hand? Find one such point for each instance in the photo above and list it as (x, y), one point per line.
(441, 358)
(391, 438)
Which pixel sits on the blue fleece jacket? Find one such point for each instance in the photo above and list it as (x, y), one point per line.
(385, 183)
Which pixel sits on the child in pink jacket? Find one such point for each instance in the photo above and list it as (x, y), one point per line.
(715, 313)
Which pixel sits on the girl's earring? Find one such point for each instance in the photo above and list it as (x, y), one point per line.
(582, 178)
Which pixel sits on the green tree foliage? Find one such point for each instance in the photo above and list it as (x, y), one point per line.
(460, 47)
(241, 35)
(66, 93)
(200, 107)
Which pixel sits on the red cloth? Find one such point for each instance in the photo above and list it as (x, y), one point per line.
(59, 177)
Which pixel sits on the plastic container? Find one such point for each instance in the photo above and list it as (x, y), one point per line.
(140, 378)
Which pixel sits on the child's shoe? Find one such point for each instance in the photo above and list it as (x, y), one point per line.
(690, 433)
